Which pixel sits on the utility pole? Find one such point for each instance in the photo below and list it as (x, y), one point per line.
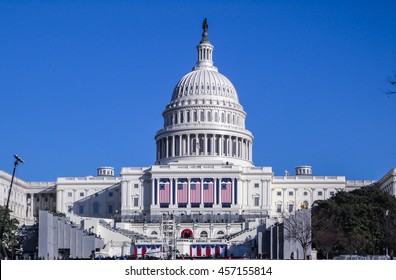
(3, 254)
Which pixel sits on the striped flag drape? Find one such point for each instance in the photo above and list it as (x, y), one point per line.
(226, 191)
(208, 250)
(182, 191)
(195, 191)
(164, 191)
(208, 191)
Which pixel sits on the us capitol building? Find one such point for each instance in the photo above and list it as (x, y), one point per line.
(203, 188)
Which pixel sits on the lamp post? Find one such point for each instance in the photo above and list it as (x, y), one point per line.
(386, 231)
(18, 160)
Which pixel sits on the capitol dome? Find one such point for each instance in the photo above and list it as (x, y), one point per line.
(204, 121)
(205, 81)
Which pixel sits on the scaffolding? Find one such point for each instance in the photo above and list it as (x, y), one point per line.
(169, 236)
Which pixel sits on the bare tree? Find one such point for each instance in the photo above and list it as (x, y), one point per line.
(298, 228)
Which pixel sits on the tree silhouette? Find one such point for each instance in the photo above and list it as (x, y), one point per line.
(362, 222)
(298, 228)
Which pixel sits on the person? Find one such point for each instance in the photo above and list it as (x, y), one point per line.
(292, 256)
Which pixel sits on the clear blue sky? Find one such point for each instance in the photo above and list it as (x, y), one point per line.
(84, 83)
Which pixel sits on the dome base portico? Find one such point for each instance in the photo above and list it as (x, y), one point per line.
(201, 145)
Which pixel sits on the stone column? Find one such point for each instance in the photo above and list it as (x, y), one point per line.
(173, 146)
(212, 144)
(219, 194)
(188, 144)
(232, 191)
(59, 200)
(205, 144)
(167, 147)
(197, 141)
(215, 191)
(175, 202)
(188, 194)
(201, 193)
(170, 191)
(180, 144)
(153, 192)
(220, 145)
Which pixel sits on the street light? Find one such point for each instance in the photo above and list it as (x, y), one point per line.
(18, 160)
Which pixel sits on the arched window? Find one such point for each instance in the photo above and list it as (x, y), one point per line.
(216, 116)
(154, 233)
(202, 116)
(209, 116)
(195, 116)
(204, 234)
(222, 117)
(220, 232)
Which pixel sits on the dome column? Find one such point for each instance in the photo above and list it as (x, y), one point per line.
(188, 144)
(180, 145)
(173, 146)
(221, 143)
(205, 144)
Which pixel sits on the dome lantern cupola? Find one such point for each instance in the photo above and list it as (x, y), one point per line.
(205, 50)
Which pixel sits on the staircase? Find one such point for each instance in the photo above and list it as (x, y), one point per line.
(242, 235)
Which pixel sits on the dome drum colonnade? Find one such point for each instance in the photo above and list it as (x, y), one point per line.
(204, 120)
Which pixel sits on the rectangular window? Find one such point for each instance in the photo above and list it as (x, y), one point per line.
(291, 208)
(256, 201)
(81, 194)
(320, 193)
(290, 193)
(110, 209)
(331, 193)
(135, 201)
(81, 209)
(136, 186)
(279, 208)
(69, 194)
(110, 194)
(278, 193)
(256, 185)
